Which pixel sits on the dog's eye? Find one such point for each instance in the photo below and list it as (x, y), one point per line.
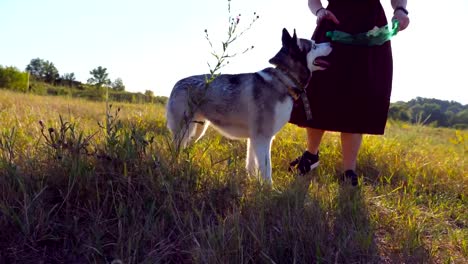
(314, 46)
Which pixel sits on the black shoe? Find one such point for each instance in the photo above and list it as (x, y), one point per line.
(305, 163)
(350, 176)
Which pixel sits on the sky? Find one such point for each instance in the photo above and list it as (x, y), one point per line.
(151, 44)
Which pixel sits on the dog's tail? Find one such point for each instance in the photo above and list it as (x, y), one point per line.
(175, 109)
(179, 120)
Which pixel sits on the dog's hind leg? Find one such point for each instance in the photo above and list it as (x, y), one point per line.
(262, 148)
(200, 127)
(250, 163)
(182, 129)
(194, 129)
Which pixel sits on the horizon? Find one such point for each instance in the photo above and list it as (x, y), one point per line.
(152, 45)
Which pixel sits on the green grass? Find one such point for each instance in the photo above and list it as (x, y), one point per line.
(78, 193)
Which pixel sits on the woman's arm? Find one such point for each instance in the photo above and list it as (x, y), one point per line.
(314, 6)
(318, 10)
(400, 13)
(398, 3)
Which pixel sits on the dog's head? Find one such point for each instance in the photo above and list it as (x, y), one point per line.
(301, 56)
(316, 54)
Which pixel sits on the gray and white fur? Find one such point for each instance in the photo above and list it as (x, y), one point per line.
(252, 106)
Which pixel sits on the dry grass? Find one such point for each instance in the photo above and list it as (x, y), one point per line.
(84, 194)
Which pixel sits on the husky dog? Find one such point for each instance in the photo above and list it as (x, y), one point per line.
(252, 106)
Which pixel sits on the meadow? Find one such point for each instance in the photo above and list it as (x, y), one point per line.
(82, 185)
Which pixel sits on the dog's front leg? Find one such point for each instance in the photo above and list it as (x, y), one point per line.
(262, 148)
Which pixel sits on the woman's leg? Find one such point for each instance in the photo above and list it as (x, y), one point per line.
(309, 160)
(314, 136)
(350, 144)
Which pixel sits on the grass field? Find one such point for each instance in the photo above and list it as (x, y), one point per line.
(73, 190)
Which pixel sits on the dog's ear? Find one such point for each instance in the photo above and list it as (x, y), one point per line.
(286, 38)
(294, 38)
(294, 41)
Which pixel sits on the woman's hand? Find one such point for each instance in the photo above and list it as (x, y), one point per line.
(324, 14)
(402, 18)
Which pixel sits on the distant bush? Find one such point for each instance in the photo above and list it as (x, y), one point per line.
(433, 112)
(59, 91)
(161, 100)
(13, 79)
(39, 88)
(90, 94)
(136, 97)
(126, 97)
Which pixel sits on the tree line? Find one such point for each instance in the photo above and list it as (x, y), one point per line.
(42, 77)
(45, 71)
(433, 112)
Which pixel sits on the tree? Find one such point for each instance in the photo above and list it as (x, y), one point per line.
(69, 78)
(118, 85)
(461, 119)
(436, 116)
(43, 70)
(36, 68)
(50, 72)
(398, 111)
(149, 93)
(149, 96)
(100, 77)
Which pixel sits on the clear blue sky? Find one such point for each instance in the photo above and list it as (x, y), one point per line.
(151, 44)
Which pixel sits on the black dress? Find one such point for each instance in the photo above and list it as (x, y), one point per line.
(353, 94)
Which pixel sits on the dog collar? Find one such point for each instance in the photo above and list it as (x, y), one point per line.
(298, 91)
(294, 92)
(291, 77)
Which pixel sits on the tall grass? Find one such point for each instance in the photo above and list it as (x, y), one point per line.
(70, 192)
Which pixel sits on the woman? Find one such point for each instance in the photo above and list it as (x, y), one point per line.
(353, 95)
